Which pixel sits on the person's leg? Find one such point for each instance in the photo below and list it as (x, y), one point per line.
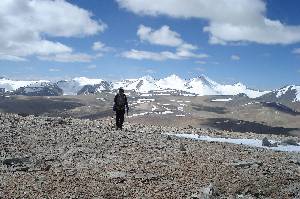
(122, 119)
(117, 120)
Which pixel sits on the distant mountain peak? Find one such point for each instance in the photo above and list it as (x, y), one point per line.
(200, 85)
(239, 84)
(173, 76)
(204, 79)
(287, 92)
(87, 81)
(202, 76)
(147, 77)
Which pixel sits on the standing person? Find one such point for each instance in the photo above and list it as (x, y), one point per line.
(120, 103)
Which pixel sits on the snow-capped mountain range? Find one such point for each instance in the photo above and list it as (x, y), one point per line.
(288, 93)
(200, 86)
(72, 87)
(11, 85)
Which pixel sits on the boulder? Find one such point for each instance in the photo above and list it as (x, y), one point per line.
(267, 143)
(15, 161)
(208, 192)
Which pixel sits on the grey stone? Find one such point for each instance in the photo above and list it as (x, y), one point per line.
(241, 164)
(15, 161)
(117, 174)
(267, 143)
(182, 147)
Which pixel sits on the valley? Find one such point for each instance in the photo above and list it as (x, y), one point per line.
(239, 114)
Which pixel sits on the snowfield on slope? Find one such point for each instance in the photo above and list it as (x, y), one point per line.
(241, 141)
(11, 85)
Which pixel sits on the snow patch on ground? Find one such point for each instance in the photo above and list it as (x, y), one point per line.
(249, 103)
(146, 94)
(140, 101)
(102, 99)
(166, 112)
(154, 108)
(243, 141)
(188, 95)
(166, 108)
(138, 114)
(222, 100)
(162, 94)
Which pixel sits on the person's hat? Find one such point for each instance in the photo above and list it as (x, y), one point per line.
(121, 90)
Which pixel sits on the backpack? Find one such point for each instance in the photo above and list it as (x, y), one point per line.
(120, 102)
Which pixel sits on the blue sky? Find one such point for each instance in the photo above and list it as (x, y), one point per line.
(255, 42)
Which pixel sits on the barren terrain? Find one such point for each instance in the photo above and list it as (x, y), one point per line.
(237, 115)
(67, 147)
(45, 157)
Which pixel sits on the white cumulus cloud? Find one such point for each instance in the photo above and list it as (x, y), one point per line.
(163, 36)
(93, 66)
(99, 46)
(158, 56)
(54, 70)
(200, 62)
(28, 27)
(228, 20)
(296, 51)
(68, 57)
(11, 58)
(235, 57)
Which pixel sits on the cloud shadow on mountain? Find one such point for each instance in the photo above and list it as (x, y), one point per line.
(36, 105)
(218, 110)
(280, 107)
(246, 126)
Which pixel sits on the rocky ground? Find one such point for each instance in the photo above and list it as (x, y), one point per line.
(44, 157)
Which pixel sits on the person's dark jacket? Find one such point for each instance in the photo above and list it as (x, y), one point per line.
(118, 108)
